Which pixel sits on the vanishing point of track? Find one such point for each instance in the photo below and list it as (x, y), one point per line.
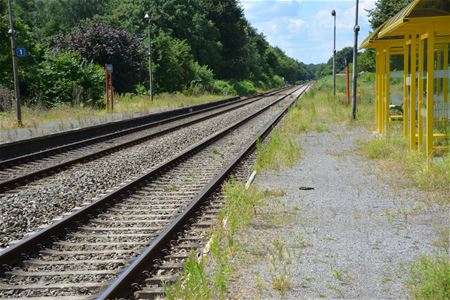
(114, 239)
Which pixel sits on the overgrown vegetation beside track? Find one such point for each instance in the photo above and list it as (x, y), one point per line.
(201, 282)
(407, 168)
(317, 110)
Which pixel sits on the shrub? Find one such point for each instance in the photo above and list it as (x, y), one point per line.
(203, 77)
(66, 78)
(104, 44)
(223, 87)
(245, 88)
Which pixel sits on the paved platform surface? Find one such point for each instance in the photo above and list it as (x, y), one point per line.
(352, 236)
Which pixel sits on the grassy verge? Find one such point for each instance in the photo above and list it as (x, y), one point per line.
(316, 111)
(408, 169)
(236, 214)
(430, 278)
(35, 117)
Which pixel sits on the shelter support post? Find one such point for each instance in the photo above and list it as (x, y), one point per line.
(412, 95)
(430, 95)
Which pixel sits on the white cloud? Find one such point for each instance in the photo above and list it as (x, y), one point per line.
(304, 28)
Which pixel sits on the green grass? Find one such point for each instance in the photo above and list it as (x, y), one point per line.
(280, 262)
(407, 167)
(194, 286)
(316, 111)
(280, 151)
(236, 214)
(430, 278)
(35, 117)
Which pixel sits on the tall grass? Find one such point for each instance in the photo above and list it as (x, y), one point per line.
(408, 168)
(128, 103)
(430, 278)
(317, 111)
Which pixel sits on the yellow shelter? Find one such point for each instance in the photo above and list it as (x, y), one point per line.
(412, 74)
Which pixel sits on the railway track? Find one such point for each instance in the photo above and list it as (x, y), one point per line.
(78, 256)
(18, 171)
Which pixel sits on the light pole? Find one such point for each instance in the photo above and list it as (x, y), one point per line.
(150, 71)
(333, 13)
(355, 54)
(12, 34)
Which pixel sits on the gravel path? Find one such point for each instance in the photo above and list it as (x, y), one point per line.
(352, 236)
(35, 205)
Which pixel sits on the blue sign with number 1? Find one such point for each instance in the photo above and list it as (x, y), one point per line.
(21, 52)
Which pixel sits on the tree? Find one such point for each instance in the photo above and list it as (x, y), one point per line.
(49, 18)
(367, 60)
(385, 9)
(66, 78)
(5, 57)
(342, 55)
(103, 44)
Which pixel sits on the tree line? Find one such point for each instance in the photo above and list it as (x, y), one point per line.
(198, 46)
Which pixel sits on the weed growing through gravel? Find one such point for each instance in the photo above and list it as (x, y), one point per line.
(280, 266)
(316, 111)
(235, 215)
(195, 285)
(282, 150)
(430, 278)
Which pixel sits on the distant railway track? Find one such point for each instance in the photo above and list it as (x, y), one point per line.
(101, 249)
(20, 170)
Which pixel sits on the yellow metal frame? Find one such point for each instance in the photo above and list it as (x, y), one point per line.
(418, 117)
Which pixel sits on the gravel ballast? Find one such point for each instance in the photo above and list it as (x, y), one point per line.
(344, 231)
(26, 209)
(176, 187)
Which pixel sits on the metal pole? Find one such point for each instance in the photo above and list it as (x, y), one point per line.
(355, 54)
(14, 62)
(333, 13)
(150, 71)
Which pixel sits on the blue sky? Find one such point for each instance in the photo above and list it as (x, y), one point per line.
(304, 28)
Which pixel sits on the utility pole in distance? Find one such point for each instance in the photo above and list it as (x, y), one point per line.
(150, 71)
(355, 56)
(14, 62)
(333, 13)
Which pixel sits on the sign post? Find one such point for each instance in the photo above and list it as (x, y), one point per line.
(14, 62)
(109, 91)
(347, 83)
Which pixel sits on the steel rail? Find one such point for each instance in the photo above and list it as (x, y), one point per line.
(37, 174)
(121, 287)
(28, 245)
(96, 132)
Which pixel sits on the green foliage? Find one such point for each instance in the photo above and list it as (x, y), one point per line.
(223, 87)
(281, 151)
(173, 63)
(385, 9)
(195, 43)
(341, 56)
(236, 214)
(103, 44)
(66, 78)
(203, 78)
(195, 285)
(430, 278)
(367, 60)
(245, 88)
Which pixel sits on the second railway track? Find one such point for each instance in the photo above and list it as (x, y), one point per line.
(79, 255)
(20, 170)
